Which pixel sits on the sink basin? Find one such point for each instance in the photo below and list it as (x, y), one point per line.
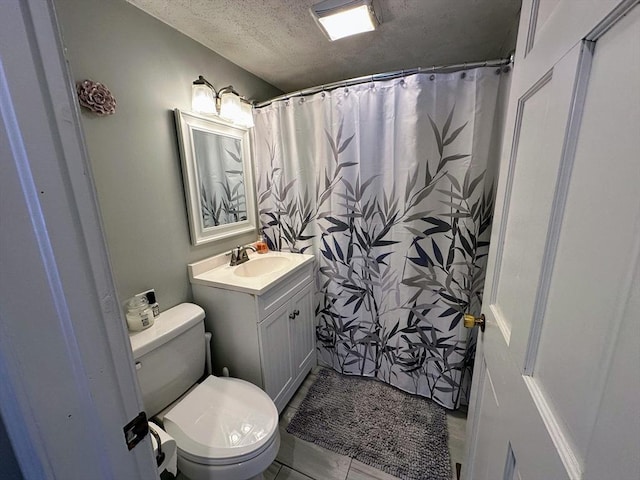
(261, 266)
(256, 276)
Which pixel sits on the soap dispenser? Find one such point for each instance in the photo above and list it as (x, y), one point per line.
(261, 245)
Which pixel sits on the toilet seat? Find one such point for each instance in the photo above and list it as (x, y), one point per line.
(227, 461)
(223, 421)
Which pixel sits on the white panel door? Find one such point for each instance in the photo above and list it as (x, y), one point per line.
(67, 380)
(556, 374)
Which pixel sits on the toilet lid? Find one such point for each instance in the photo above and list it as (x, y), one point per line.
(222, 418)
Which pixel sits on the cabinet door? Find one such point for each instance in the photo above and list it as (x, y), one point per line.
(275, 353)
(303, 346)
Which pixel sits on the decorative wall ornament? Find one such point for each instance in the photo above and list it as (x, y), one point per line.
(96, 97)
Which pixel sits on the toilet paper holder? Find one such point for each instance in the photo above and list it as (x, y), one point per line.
(160, 455)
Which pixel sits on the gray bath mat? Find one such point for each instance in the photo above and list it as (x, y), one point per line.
(393, 431)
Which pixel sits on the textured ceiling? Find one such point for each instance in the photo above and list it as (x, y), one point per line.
(278, 40)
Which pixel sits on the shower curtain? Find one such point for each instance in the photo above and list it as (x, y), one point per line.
(390, 185)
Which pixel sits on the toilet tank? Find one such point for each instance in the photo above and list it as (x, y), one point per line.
(169, 355)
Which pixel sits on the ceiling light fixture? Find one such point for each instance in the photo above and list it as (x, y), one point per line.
(226, 103)
(342, 18)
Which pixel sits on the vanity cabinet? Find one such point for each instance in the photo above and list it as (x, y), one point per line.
(265, 337)
(286, 346)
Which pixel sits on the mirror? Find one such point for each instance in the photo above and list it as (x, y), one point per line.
(216, 170)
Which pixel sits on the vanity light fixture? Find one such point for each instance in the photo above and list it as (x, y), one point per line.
(226, 102)
(246, 114)
(342, 18)
(203, 97)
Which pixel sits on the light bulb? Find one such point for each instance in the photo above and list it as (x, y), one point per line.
(202, 99)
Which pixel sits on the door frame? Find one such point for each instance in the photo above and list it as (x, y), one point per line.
(69, 385)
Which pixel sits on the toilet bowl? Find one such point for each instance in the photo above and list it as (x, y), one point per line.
(224, 428)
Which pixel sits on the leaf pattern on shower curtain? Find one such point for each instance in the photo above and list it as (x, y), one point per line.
(396, 268)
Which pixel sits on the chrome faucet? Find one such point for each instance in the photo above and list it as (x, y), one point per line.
(239, 255)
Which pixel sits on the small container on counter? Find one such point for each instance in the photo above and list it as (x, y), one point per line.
(153, 303)
(261, 245)
(139, 313)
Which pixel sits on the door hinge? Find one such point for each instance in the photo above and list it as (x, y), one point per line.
(136, 430)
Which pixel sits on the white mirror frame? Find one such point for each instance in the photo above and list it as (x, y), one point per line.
(186, 123)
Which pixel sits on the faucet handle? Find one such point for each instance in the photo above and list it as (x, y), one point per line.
(235, 256)
(242, 254)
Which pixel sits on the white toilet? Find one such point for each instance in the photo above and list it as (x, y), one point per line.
(224, 428)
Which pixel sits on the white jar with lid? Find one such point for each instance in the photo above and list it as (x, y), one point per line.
(139, 314)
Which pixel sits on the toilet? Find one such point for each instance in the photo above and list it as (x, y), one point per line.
(224, 428)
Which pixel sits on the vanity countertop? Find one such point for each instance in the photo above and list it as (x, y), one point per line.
(216, 272)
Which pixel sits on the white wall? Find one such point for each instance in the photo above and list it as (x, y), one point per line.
(149, 67)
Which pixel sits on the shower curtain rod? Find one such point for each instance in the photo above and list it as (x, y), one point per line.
(387, 76)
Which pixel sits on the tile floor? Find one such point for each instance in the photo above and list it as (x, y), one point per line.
(300, 460)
